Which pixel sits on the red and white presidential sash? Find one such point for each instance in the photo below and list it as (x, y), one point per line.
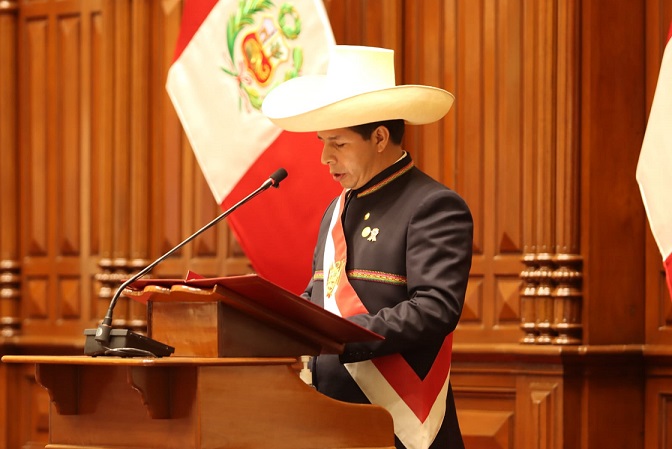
(417, 405)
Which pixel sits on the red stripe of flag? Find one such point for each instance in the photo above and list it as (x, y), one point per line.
(194, 13)
(278, 229)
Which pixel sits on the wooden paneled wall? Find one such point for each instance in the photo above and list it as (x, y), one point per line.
(106, 179)
(566, 335)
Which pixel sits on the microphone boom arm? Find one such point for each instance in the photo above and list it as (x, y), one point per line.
(105, 327)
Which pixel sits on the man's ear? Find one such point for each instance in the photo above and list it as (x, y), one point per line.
(381, 137)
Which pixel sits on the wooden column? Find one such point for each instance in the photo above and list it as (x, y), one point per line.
(10, 264)
(125, 168)
(539, 155)
(567, 276)
(551, 298)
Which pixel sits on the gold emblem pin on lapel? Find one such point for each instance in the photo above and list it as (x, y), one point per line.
(370, 234)
(367, 232)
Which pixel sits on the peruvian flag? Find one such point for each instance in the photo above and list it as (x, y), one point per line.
(229, 55)
(654, 170)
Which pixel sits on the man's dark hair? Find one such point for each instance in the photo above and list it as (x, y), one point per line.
(395, 127)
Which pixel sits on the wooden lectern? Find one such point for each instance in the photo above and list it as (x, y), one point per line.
(231, 382)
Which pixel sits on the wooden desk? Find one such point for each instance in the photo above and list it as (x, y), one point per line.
(185, 402)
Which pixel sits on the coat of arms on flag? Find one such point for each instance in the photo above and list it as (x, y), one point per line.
(264, 47)
(229, 55)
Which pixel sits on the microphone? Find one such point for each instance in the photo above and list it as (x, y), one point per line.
(276, 177)
(140, 344)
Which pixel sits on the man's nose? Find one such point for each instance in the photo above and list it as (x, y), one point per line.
(327, 156)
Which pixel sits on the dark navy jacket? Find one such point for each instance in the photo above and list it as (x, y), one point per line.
(411, 276)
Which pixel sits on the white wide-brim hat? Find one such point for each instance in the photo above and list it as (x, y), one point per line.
(359, 88)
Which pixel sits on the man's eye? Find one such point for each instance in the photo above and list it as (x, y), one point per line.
(339, 145)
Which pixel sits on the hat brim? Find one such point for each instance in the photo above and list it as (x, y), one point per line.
(308, 104)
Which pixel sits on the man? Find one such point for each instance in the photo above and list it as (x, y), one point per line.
(394, 250)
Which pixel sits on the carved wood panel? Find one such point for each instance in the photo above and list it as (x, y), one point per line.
(486, 407)
(53, 149)
(658, 410)
(28, 420)
(541, 408)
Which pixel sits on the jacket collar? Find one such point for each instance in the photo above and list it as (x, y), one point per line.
(386, 176)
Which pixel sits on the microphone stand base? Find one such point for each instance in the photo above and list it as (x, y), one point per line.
(125, 343)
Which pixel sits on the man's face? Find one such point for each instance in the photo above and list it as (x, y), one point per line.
(351, 160)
